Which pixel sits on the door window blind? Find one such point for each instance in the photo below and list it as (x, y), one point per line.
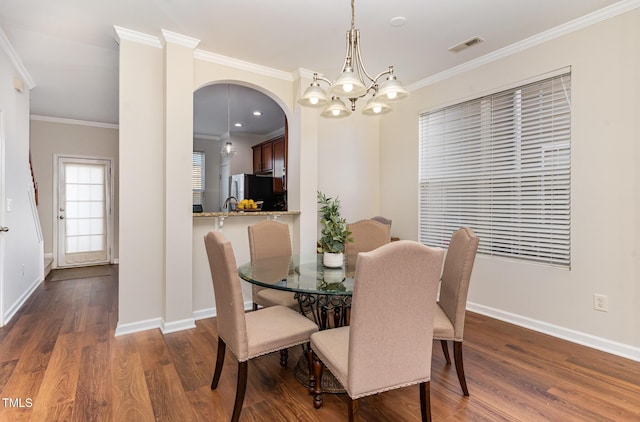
(500, 164)
(197, 177)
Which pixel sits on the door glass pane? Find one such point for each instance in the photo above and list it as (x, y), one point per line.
(85, 204)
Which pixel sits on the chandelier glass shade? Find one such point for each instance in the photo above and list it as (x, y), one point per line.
(353, 83)
(228, 150)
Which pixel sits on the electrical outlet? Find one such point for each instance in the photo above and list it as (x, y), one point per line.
(600, 302)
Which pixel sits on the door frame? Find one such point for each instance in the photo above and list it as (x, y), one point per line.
(109, 196)
(3, 196)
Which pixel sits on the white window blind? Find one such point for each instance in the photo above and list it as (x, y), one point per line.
(500, 164)
(197, 177)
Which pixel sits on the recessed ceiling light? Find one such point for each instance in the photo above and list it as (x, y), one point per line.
(398, 21)
(238, 124)
(257, 113)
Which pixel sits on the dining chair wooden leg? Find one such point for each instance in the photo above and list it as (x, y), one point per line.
(425, 401)
(457, 355)
(222, 347)
(353, 410)
(241, 388)
(445, 351)
(284, 356)
(318, 367)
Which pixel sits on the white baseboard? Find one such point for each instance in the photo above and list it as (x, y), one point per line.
(211, 312)
(204, 313)
(598, 343)
(134, 327)
(11, 312)
(170, 327)
(48, 257)
(173, 326)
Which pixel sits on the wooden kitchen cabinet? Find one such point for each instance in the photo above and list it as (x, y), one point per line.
(279, 165)
(271, 157)
(263, 157)
(267, 157)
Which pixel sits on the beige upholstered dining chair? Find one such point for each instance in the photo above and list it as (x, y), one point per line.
(452, 304)
(269, 239)
(367, 235)
(247, 335)
(383, 348)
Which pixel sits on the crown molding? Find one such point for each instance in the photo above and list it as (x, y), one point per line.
(301, 72)
(551, 34)
(74, 122)
(273, 134)
(180, 39)
(120, 33)
(207, 137)
(6, 46)
(242, 65)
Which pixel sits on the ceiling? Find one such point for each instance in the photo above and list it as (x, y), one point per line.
(68, 49)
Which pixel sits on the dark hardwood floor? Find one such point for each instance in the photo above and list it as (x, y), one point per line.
(60, 361)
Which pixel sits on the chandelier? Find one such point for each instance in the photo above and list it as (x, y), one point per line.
(353, 83)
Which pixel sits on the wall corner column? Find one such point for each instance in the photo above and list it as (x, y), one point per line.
(178, 144)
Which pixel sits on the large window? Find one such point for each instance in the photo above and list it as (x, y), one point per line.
(197, 177)
(500, 164)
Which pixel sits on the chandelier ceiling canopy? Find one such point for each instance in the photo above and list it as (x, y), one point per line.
(353, 83)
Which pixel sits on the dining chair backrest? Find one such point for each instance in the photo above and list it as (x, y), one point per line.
(269, 239)
(456, 275)
(230, 317)
(390, 336)
(367, 235)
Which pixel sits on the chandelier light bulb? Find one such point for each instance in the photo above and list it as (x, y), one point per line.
(348, 87)
(377, 109)
(314, 100)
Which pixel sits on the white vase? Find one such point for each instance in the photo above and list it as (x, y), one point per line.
(332, 260)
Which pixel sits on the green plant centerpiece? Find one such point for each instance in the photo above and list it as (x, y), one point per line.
(334, 233)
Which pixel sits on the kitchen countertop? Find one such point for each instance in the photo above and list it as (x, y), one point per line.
(243, 213)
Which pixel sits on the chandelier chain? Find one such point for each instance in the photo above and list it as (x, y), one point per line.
(353, 14)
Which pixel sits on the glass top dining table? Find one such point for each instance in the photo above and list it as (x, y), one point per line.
(300, 274)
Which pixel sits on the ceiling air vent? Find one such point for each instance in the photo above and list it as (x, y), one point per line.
(466, 44)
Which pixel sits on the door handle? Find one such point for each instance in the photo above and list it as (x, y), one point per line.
(4, 229)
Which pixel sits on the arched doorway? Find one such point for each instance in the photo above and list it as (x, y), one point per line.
(227, 112)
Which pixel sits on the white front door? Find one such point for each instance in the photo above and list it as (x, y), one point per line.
(83, 211)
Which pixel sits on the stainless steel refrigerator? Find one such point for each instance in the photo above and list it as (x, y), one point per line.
(251, 186)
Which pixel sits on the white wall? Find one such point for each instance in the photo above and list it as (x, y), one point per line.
(605, 62)
(22, 263)
(78, 139)
(349, 163)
